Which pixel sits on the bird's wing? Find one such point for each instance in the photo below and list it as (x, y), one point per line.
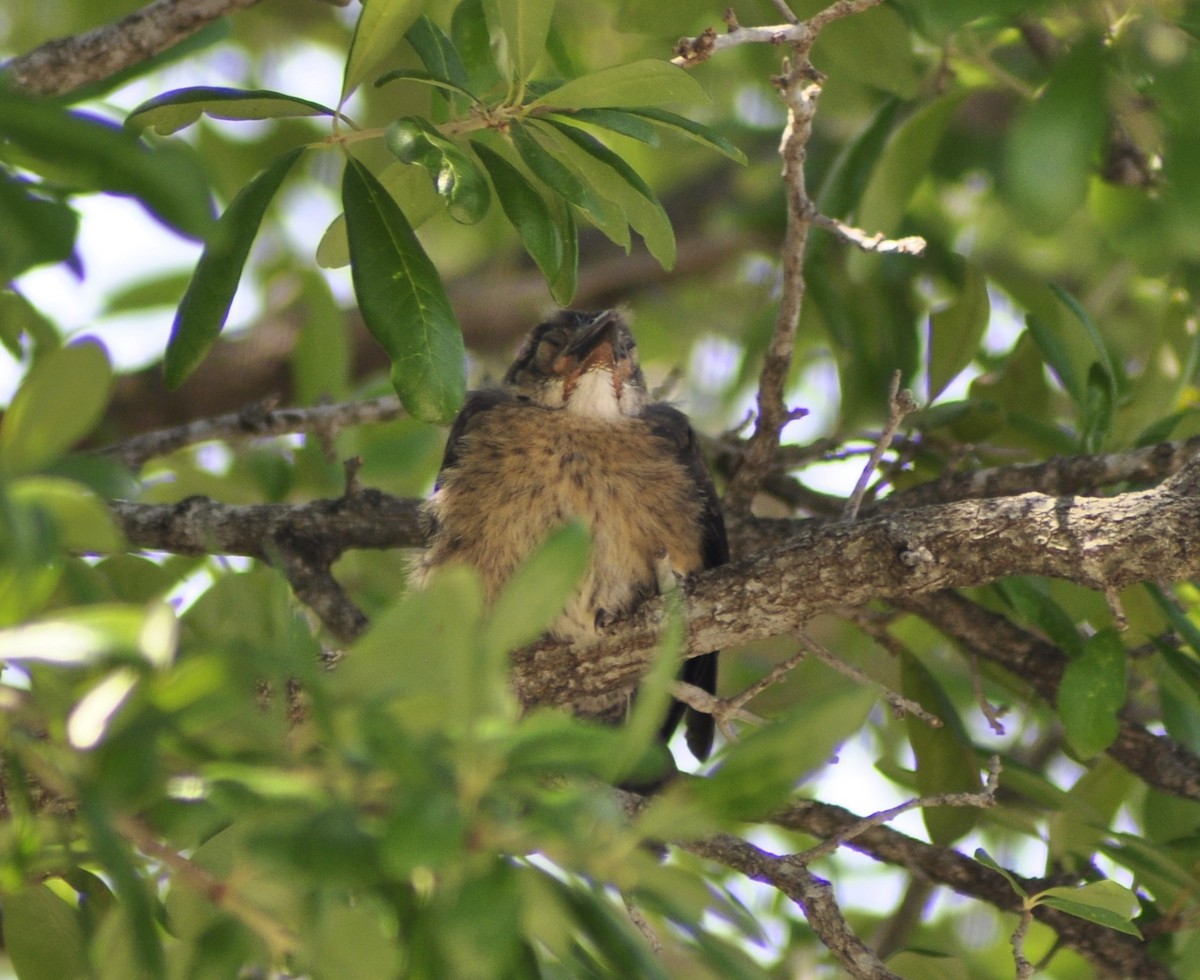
(476, 404)
(673, 427)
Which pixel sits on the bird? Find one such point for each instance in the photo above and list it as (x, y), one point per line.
(571, 434)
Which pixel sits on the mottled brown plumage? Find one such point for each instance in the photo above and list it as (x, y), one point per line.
(571, 435)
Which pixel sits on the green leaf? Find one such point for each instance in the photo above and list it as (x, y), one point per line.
(518, 31)
(527, 210)
(456, 178)
(380, 28)
(988, 861)
(547, 166)
(402, 300)
(1092, 913)
(37, 230)
(79, 637)
(1106, 894)
(619, 182)
(206, 302)
(1049, 155)
(1031, 601)
(693, 130)
(437, 52)
(43, 936)
(82, 520)
(903, 165)
(956, 331)
(1098, 410)
(40, 423)
(469, 30)
(1091, 693)
(96, 155)
(423, 77)
(175, 110)
(616, 120)
(1058, 358)
(649, 82)
(946, 760)
(1179, 621)
(563, 286)
(539, 589)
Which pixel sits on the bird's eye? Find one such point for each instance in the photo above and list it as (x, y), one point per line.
(548, 348)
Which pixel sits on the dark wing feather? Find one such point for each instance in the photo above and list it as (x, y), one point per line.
(476, 404)
(673, 426)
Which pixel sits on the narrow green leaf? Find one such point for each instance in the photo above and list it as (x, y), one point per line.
(1106, 894)
(1057, 357)
(40, 423)
(956, 331)
(1098, 413)
(456, 178)
(175, 110)
(988, 861)
(846, 180)
(619, 182)
(423, 77)
(526, 209)
(469, 31)
(1111, 365)
(437, 52)
(626, 123)
(1031, 601)
(649, 82)
(92, 154)
(43, 936)
(946, 760)
(693, 130)
(380, 28)
(402, 299)
(550, 170)
(1091, 693)
(1188, 630)
(563, 287)
(205, 304)
(1092, 913)
(518, 30)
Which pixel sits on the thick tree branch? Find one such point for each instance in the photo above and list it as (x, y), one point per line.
(69, 63)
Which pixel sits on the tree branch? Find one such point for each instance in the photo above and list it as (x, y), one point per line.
(69, 63)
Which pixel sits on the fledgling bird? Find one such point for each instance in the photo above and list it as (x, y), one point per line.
(571, 434)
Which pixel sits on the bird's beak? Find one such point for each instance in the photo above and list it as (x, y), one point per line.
(592, 347)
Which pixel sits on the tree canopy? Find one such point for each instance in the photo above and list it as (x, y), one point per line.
(922, 272)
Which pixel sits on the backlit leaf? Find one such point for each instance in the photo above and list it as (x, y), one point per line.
(172, 111)
(380, 28)
(518, 29)
(649, 82)
(1091, 693)
(956, 331)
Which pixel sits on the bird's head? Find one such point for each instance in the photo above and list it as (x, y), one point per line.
(585, 363)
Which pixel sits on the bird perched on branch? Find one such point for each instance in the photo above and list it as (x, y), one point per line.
(571, 434)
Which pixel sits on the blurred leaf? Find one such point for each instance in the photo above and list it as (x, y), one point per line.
(538, 590)
(37, 230)
(639, 83)
(79, 637)
(1032, 603)
(903, 165)
(205, 304)
(518, 30)
(355, 942)
(619, 182)
(321, 356)
(380, 28)
(1111, 365)
(563, 285)
(160, 290)
(402, 300)
(957, 331)
(847, 178)
(1051, 154)
(873, 48)
(81, 519)
(1058, 359)
(547, 166)
(469, 31)
(946, 761)
(20, 318)
(455, 175)
(528, 212)
(1188, 630)
(43, 936)
(90, 718)
(175, 110)
(1091, 693)
(41, 424)
(1098, 410)
(99, 156)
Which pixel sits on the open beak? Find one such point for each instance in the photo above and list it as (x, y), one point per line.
(593, 347)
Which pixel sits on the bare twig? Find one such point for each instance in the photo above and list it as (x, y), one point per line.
(256, 421)
(990, 712)
(878, 242)
(900, 405)
(643, 926)
(1024, 967)
(66, 64)
(723, 710)
(984, 798)
(900, 704)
